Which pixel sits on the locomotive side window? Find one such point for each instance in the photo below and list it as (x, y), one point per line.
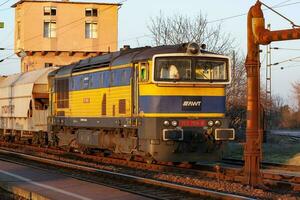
(144, 67)
(112, 77)
(62, 90)
(101, 79)
(123, 77)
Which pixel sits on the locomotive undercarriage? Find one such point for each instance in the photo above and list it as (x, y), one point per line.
(125, 143)
(147, 141)
(111, 141)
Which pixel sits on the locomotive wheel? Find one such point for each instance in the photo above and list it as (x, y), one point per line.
(149, 159)
(129, 157)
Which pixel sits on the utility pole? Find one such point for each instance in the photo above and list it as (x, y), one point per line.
(257, 35)
(268, 85)
(234, 78)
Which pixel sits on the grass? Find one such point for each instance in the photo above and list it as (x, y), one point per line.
(277, 149)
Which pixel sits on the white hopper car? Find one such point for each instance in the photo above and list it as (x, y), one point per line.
(24, 102)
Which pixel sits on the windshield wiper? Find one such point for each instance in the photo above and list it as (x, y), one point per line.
(202, 74)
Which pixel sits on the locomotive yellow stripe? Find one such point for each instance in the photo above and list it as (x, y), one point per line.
(153, 90)
(205, 115)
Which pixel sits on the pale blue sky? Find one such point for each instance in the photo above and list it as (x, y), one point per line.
(134, 16)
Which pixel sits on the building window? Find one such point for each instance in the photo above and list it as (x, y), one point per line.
(49, 29)
(50, 11)
(48, 65)
(91, 30)
(91, 12)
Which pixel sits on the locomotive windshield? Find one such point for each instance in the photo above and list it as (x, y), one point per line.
(175, 69)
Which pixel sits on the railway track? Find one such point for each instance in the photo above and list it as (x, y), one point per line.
(135, 184)
(199, 176)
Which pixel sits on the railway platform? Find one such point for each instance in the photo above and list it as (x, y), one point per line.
(37, 184)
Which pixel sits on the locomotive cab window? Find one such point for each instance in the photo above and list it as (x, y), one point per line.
(170, 69)
(190, 69)
(144, 71)
(210, 70)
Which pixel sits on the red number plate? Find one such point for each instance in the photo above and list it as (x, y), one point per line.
(192, 123)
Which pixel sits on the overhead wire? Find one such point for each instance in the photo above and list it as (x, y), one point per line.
(287, 60)
(282, 4)
(4, 2)
(281, 15)
(282, 48)
(279, 5)
(7, 57)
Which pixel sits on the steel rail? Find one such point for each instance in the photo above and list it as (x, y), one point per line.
(189, 189)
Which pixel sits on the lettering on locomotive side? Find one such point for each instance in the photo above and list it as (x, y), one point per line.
(191, 103)
(8, 109)
(86, 100)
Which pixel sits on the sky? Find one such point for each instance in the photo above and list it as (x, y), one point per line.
(135, 15)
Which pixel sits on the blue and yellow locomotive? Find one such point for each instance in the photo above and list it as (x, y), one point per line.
(164, 103)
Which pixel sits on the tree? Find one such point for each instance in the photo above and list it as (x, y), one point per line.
(236, 94)
(296, 92)
(178, 29)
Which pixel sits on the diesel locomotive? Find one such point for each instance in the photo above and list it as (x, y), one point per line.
(164, 103)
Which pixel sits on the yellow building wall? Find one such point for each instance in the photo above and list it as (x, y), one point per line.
(70, 30)
(37, 60)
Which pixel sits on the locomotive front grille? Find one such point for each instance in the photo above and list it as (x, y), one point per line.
(224, 134)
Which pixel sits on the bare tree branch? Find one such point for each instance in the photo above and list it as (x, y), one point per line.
(178, 29)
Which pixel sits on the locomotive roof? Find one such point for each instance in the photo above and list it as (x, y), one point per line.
(119, 58)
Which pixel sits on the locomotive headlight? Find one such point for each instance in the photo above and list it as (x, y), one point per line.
(218, 123)
(193, 48)
(166, 123)
(210, 123)
(174, 123)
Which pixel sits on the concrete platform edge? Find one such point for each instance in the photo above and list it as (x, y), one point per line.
(19, 191)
